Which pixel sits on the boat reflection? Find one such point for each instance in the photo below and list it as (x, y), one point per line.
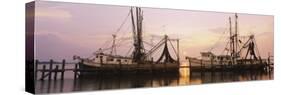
(185, 77)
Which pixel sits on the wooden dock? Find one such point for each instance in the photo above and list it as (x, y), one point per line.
(53, 70)
(56, 70)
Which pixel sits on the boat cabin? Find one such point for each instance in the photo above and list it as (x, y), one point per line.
(111, 59)
(223, 57)
(207, 55)
(210, 55)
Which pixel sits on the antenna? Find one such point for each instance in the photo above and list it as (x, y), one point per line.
(230, 37)
(113, 47)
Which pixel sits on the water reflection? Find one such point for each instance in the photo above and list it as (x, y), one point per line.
(185, 77)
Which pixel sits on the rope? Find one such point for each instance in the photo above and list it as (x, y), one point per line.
(129, 51)
(224, 48)
(173, 48)
(104, 45)
(256, 46)
(221, 36)
(122, 23)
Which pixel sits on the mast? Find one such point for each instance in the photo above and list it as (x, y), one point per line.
(236, 35)
(178, 53)
(230, 38)
(236, 39)
(231, 44)
(138, 53)
(113, 47)
(133, 25)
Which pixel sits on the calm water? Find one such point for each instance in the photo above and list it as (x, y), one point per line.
(120, 82)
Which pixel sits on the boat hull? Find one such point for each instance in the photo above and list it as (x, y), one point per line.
(109, 69)
(242, 65)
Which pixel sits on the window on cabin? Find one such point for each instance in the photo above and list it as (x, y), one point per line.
(118, 60)
(109, 59)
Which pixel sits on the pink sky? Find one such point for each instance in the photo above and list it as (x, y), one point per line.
(66, 29)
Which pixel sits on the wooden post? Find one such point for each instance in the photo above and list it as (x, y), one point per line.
(190, 67)
(43, 72)
(178, 55)
(101, 61)
(50, 69)
(212, 68)
(221, 65)
(268, 64)
(62, 69)
(268, 60)
(119, 68)
(151, 81)
(189, 63)
(36, 69)
(201, 64)
(56, 71)
(165, 66)
(151, 67)
(75, 71)
(202, 71)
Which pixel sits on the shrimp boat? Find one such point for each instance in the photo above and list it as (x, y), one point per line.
(240, 55)
(140, 60)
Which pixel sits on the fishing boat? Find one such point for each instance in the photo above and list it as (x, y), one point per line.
(140, 60)
(241, 55)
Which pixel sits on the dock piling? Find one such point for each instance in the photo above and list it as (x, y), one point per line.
(62, 69)
(36, 69)
(75, 71)
(43, 72)
(56, 71)
(50, 69)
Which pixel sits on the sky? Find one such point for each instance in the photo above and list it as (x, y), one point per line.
(66, 29)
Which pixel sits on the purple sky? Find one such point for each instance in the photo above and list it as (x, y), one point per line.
(66, 29)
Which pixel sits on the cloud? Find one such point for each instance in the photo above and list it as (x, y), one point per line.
(52, 13)
(219, 30)
(50, 46)
(265, 43)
